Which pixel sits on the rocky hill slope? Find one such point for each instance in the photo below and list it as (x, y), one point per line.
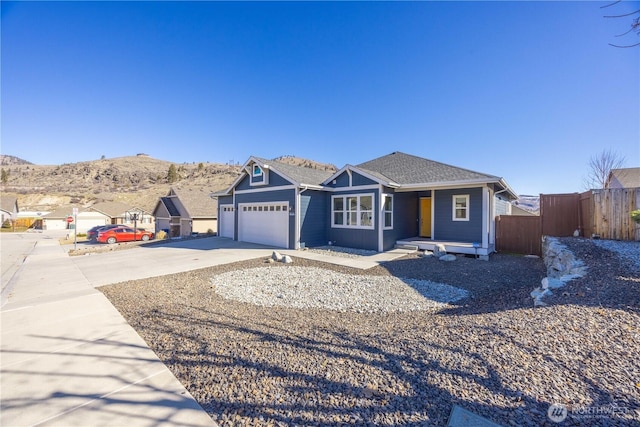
(137, 180)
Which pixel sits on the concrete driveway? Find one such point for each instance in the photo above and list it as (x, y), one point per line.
(68, 357)
(166, 258)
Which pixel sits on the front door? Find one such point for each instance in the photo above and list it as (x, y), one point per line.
(425, 217)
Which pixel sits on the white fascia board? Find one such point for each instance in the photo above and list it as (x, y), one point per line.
(351, 168)
(444, 185)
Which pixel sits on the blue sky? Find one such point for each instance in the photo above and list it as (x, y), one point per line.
(524, 90)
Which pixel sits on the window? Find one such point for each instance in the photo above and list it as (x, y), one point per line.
(388, 211)
(353, 211)
(257, 170)
(461, 208)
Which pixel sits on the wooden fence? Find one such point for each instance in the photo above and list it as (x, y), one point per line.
(603, 213)
(611, 217)
(519, 234)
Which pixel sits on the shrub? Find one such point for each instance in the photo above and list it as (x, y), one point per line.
(161, 235)
(635, 215)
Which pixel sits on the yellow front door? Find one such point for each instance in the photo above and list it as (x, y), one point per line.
(425, 217)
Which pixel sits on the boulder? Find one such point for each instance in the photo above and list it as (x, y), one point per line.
(439, 250)
(276, 256)
(287, 259)
(447, 257)
(552, 283)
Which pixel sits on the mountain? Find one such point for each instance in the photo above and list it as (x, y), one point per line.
(12, 160)
(528, 203)
(136, 180)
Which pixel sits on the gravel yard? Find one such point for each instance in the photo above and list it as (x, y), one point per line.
(490, 352)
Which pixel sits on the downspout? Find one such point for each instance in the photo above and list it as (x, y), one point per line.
(492, 230)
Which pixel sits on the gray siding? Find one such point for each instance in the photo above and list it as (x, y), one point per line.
(314, 218)
(405, 219)
(355, 238)
(275, 180)
(465, 231)
(358, 179)
(502, 207)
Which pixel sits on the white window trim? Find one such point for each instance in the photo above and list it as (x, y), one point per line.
(453, 208)
(358, 212)
(263, 174)
(384, 212)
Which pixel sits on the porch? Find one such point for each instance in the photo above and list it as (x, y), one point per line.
(467, 248)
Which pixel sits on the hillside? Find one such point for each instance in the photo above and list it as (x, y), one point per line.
(137, 180)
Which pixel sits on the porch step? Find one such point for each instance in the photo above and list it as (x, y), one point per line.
(407, 247)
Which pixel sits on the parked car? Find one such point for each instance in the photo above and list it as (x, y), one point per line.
(92, 234)
(123, 234)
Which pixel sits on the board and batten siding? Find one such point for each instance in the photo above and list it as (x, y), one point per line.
(405, 222)
(463, 231)
(314, 219)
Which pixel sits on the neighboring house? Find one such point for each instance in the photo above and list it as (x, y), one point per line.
(121, 213)
(57, 220)
(394, 199)
(518, 211)
(102, 213)
(185, 211)
(8, 208)
(624, 178)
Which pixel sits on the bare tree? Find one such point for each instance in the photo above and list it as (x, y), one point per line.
(600, 166)
(633, 28)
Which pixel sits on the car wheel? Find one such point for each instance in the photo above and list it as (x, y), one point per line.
(145, 237)
(111, 240)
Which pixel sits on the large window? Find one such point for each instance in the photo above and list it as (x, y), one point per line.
(461, 207)
(388, 211)
(353, 211)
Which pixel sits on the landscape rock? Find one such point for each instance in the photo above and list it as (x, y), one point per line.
(439, 250)
(448, 257)
(287, 259)
(276, 256)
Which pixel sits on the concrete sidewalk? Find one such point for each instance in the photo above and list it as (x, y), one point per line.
(70, 359)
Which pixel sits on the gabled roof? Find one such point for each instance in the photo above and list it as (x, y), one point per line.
(171, 207)
(624, 178)
(8, 204)
(111, 209)
(196, 201)
(300, 176)
(63, 211)
(407, 169)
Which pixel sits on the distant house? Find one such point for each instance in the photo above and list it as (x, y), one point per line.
(186, 210)
(122, 213)
(624, 178)
(102, 213)
(390, 200)
(57, 219)
(8, 208)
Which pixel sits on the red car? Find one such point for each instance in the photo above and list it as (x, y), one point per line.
(123, 234)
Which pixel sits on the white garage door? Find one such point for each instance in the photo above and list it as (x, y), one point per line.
(264, 223)
(226, 221)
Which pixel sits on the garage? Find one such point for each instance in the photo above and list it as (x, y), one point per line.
(227, 221)
(264, 223)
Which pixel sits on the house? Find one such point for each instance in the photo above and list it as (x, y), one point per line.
(122, 213)
(102, 213)
(185, 211)
(623, 178)
(397, 199)
(8, 208)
